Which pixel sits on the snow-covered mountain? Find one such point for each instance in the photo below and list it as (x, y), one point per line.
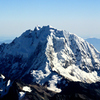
(50, 57)
(95, 42)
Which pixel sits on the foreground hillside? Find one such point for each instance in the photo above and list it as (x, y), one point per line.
(74, 91)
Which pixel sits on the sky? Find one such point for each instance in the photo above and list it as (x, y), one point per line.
(81, 17)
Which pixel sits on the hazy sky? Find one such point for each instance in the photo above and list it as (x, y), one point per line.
(81, 17)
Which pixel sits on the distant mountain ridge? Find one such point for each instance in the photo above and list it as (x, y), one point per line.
(6, 41)
(50, 57)
(95, 42)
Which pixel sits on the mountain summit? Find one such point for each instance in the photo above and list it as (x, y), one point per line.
(50, 57)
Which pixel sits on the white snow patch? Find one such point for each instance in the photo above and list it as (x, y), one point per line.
(38, 74)
(8, 83)
(53, 83)
(47, 69)
(21, 95)
(74, 73)
(38, 27)
(1, 90)
(3, 76)
(27, 89)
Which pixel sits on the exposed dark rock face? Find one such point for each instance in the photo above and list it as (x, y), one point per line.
(79, 91)
(12, 94)
(38, 92)
(74, 91)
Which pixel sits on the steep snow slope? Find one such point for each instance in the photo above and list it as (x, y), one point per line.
(49, 56)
